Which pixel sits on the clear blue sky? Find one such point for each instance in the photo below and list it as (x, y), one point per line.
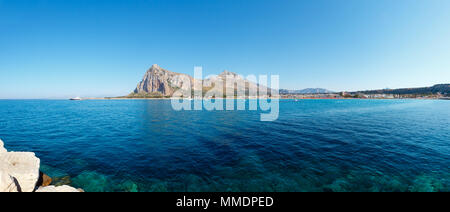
(65, 48)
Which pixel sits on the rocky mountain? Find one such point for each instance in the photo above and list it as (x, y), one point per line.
(306, 91)
(159, 82)
(245, 85)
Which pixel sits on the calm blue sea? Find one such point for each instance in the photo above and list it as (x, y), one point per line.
(315, 145)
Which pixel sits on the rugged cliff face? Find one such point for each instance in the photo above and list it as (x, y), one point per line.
(158, 81)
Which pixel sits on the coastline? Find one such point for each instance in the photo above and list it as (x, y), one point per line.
(161, 98)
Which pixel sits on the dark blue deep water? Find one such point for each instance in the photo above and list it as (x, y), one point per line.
(315, 145)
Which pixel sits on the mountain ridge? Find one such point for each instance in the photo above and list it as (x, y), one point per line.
(159, 82)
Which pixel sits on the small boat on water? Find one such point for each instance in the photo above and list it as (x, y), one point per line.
(76, 99)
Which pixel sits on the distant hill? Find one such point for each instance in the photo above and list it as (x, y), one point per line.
(440, 88)
(306, 91)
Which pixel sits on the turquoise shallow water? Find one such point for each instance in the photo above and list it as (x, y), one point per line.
(315, 145)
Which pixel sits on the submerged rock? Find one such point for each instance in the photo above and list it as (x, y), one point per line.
(44, 180)
(59, 181)
(92, 181)
(426, 183)
(159, 187)
(129, 186)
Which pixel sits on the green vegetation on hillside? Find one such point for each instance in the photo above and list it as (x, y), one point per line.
(145, 95)
(443, 89)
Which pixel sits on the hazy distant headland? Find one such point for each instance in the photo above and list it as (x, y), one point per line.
(440, 91)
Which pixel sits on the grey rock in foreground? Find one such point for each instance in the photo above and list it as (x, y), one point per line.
(63, 188)
(7, 183)
(2, 148)
(19, 172)
(23, 166)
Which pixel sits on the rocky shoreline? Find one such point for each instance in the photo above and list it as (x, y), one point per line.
(20, 172)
